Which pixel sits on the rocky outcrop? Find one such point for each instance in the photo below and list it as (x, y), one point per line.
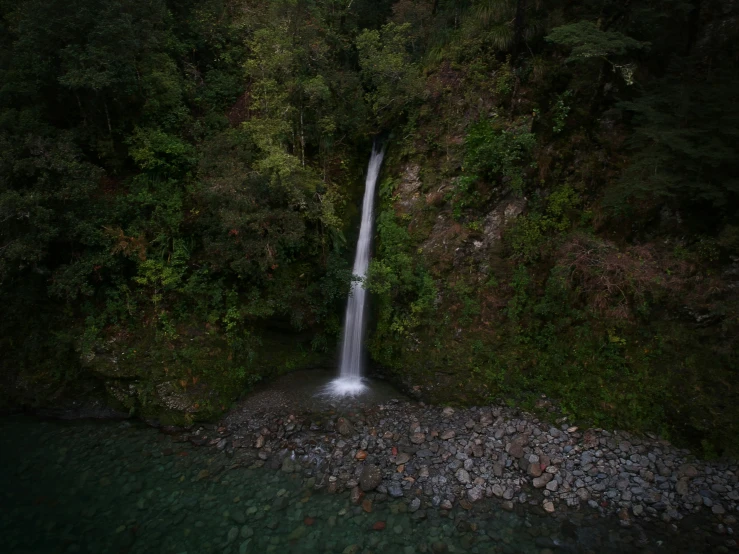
(507, 210)
(190, 375)
(409, 189)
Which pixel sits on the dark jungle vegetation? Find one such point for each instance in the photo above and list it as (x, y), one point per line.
(179, 188)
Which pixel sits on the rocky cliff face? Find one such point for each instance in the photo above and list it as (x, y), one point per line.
(487, 289)
(191, 376)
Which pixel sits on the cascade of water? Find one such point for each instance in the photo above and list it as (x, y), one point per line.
(349, 381)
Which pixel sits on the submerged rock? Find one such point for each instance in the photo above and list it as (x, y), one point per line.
(395, 490)
(475, 493)
(344, 427)
(370, 478)
(414, 505)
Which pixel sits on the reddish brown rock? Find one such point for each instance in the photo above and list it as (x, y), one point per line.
(590, 440)
(356, 495)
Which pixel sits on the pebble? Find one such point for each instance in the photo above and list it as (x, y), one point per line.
(435, 501)
(475, 494)
(402, 458)
(370, 478)
(462, 476)
(418, 438)
(461, 456)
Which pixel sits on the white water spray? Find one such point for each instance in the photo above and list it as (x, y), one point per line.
(350, 381)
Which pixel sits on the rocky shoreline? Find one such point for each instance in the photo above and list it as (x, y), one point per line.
(430, 456)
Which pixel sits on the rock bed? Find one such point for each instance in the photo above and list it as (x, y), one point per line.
(91, 487)
(437, 457)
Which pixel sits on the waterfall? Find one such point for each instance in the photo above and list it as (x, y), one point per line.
(349, 381)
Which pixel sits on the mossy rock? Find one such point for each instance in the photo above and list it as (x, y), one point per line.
(193, 376)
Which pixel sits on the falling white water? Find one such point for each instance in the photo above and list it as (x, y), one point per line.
(349, 381)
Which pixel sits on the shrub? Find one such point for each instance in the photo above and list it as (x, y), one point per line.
(530, 232)
(616, 282)
(494, 152)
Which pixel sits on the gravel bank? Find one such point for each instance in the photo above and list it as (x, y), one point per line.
(441, 457)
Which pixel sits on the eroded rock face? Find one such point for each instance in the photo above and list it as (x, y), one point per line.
(507, 210)
(125, 393)
(445, 241)
(408, 190)
(171, 380)
(149, 377)
(173, 397)
(168, 395)
(452, 245)
(113, 358)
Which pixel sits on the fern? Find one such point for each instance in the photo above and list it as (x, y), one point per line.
(587, 41)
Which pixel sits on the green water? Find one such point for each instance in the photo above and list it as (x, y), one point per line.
(93, 487)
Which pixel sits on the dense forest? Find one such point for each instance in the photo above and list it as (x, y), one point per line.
(180, 185)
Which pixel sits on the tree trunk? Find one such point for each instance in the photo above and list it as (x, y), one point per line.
(302, 138)
(693, 26)
(519, 24)
(107, 117)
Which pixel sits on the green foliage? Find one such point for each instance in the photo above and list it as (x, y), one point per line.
(392, 78)
(172, 167)
(520, 283)
(527, 236)
(509, 24)
(560, 111)
(177, 180)
(587, 41)
(532, 231)
(163, 276)
(404, 291)
(505, 80)
(494, 152)
(157, 152)
(684, 144)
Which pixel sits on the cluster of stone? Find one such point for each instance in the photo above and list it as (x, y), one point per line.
(442, 457)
